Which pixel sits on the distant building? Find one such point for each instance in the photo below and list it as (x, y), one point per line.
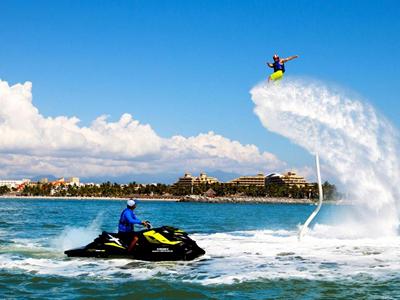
(203, 179)
(44, 180)
(90, 184)
(186, 181)
(257, 180)
(58, 182)
(189, 181)
(63, 181)
(289, 179)
(16, 184)
(72, 181)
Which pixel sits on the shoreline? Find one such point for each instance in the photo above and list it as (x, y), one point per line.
(13, 197)
(258, 200)
(191, 198)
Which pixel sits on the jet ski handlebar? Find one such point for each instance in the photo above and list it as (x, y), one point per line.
(147, 224)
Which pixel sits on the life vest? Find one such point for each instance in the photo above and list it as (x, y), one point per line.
(278, 66)
(124, 225)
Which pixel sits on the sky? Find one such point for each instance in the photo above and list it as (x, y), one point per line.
(174, 80)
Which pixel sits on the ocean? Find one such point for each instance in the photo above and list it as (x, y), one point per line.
(252, 252)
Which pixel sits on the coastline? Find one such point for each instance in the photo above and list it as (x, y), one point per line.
(13, 197)
(190, 198)
(259, 200)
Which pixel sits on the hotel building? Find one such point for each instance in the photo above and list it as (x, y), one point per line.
(290, 179)
(188, 180)
(257, 180)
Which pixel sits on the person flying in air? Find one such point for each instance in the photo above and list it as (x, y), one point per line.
(279, 67)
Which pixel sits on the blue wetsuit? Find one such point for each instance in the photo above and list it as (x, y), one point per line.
(127, 221)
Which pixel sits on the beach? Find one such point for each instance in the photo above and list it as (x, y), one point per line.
(271, 200)
(189, 198)
(5, 197)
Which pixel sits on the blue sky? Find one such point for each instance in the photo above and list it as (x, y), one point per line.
(186, 67)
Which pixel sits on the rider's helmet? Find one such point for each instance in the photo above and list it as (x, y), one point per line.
(275, 57)
(130, 203)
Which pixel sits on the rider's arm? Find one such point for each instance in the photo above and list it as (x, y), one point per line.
(270, 65)
(289, 58)
(131, 217)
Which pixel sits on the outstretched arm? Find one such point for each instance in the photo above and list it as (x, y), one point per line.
(289, 58)
(270, 65)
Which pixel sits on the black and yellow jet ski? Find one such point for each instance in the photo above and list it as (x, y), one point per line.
(157, 244)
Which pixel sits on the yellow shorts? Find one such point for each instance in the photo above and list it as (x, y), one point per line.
(278, 75)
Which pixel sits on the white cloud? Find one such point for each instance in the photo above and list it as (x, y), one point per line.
(32, 144)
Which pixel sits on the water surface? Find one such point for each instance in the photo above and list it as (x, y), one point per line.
(252, 252)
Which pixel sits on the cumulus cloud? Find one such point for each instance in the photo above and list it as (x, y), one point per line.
(32, 144)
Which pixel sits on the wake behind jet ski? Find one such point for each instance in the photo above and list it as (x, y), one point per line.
(158, 244)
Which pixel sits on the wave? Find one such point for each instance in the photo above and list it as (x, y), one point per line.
(239, 256)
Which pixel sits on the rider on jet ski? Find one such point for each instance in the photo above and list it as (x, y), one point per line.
(126, 225)
(164, 243)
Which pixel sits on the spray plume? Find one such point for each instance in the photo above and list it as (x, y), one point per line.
(360, 147)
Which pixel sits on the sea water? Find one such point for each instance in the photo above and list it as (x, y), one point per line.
(252, 252)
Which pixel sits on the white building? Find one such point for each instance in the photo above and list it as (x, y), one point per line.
(10, 183)
(73, 181)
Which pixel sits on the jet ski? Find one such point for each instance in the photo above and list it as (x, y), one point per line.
(154, 244)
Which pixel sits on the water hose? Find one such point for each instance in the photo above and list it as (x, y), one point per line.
(316, 210)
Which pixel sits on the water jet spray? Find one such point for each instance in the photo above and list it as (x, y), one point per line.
(360, 147)
(316, 210)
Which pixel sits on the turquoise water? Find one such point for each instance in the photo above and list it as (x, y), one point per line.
(252, 253)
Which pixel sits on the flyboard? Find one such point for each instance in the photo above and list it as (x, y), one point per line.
(304, 228)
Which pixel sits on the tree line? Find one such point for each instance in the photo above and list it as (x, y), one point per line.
(133, 189)
(270, 190)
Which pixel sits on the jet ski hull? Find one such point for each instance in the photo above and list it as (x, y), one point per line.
(159, 244)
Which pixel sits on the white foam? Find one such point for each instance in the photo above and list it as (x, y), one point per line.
(358, 145)
(239, 256)
(267, 254)
(73, 237)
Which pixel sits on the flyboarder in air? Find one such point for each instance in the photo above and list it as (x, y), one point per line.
(279, 67)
